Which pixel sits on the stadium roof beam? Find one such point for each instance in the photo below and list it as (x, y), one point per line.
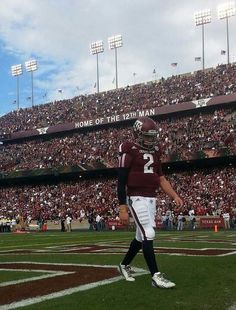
(225, 11)
(95, 49)
(201, 18)
(31, 66)
(16, 70)
(115, 42)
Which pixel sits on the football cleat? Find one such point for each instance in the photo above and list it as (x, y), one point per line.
(158, 280)
(125, 271)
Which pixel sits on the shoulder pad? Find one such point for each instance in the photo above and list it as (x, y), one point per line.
(126, 147)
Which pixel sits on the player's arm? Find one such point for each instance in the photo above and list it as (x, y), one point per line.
(168, 189)
(121, 191)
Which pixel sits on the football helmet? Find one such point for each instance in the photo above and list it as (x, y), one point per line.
(145, 132)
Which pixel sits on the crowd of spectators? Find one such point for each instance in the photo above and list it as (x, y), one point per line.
(211, 192)
(183, 136)
(173, 90)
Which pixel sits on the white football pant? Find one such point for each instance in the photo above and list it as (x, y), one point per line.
(143, 210)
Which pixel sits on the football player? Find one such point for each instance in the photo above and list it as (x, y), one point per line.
(139, 176)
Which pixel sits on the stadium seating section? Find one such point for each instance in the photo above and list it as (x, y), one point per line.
(199, 134)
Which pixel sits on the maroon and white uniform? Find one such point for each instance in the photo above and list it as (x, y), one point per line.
(143, 167)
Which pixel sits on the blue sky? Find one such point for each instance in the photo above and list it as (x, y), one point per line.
(57, 33)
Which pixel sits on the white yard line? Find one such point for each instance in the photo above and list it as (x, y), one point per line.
(52, 274)
(232, 307)
(227, 254)
(122, 250)
(138, 270)
(31, 301)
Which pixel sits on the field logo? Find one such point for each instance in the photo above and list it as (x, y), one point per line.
(70, 278)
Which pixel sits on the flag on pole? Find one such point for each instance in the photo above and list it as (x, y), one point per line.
(198, 58)
(174, 64)
(59, 91)
(223, 52)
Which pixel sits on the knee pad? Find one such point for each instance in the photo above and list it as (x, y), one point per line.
(138, 235)
(150, 233)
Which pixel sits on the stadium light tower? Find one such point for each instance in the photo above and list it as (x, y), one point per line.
(115, 42)
(31, 66)
(16, 70)
(95, 49)
(225, 11)
(201, 18)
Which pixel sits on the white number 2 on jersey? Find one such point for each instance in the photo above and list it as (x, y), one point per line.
(147, 167)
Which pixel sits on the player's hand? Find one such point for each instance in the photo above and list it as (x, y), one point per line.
(178, 201)
(123, 214)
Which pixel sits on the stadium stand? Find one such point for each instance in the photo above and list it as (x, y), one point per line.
(183, 138)
(171, 91)
(72, 169)
(207, 191)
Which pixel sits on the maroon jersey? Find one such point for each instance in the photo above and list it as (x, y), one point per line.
(144, 169)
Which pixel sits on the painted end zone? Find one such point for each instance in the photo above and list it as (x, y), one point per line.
(70, 278)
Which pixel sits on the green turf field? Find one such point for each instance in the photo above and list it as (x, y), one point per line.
(205, 278)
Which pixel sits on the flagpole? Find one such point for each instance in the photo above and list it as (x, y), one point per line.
(203, 48)
(154, 74)
(32, 90)
(115, 42)
(202, 18)
(227, 30)
(18, 92)
(116, 67)
(16, 71)
(134, 75)
(225, 11)
(95, 49)
(31, 66)
(97, 75)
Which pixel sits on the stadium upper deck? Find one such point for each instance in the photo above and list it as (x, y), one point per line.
(180, 138)
(169, 92)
